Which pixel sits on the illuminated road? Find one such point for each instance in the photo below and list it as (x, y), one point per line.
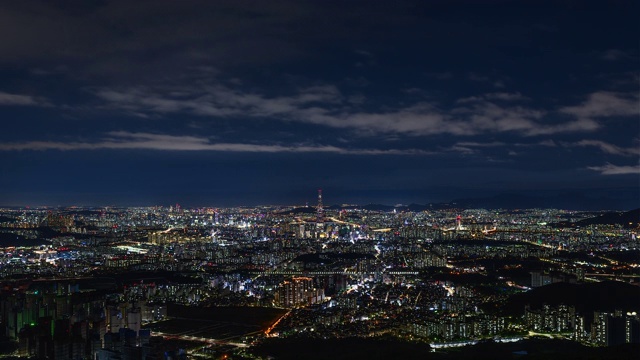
(268, 331)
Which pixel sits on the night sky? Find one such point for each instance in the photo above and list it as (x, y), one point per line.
(219, 103)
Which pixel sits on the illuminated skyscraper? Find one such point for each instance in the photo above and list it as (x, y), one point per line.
(298, 291)
(320, 210)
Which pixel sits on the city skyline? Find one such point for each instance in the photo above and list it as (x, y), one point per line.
(256, 283)
(224, 104)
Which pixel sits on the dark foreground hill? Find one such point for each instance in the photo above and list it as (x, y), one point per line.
(379, 349)
(587, 298)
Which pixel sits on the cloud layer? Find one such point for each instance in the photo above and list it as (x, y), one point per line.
(606, 103)
(327, 106)
(610, 169)
(20, 100)
(122, 140)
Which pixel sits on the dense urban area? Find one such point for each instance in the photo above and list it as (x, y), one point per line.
(168, 282)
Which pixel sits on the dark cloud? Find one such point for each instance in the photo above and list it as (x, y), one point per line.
(21, 100)
(614, 55)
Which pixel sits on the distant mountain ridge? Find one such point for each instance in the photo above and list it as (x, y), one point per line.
(628, 219)
(562, 200)
(370, 207)
(599, 199)
(504, 201)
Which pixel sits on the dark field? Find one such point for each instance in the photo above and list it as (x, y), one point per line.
(216, 322)
(202, 328)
